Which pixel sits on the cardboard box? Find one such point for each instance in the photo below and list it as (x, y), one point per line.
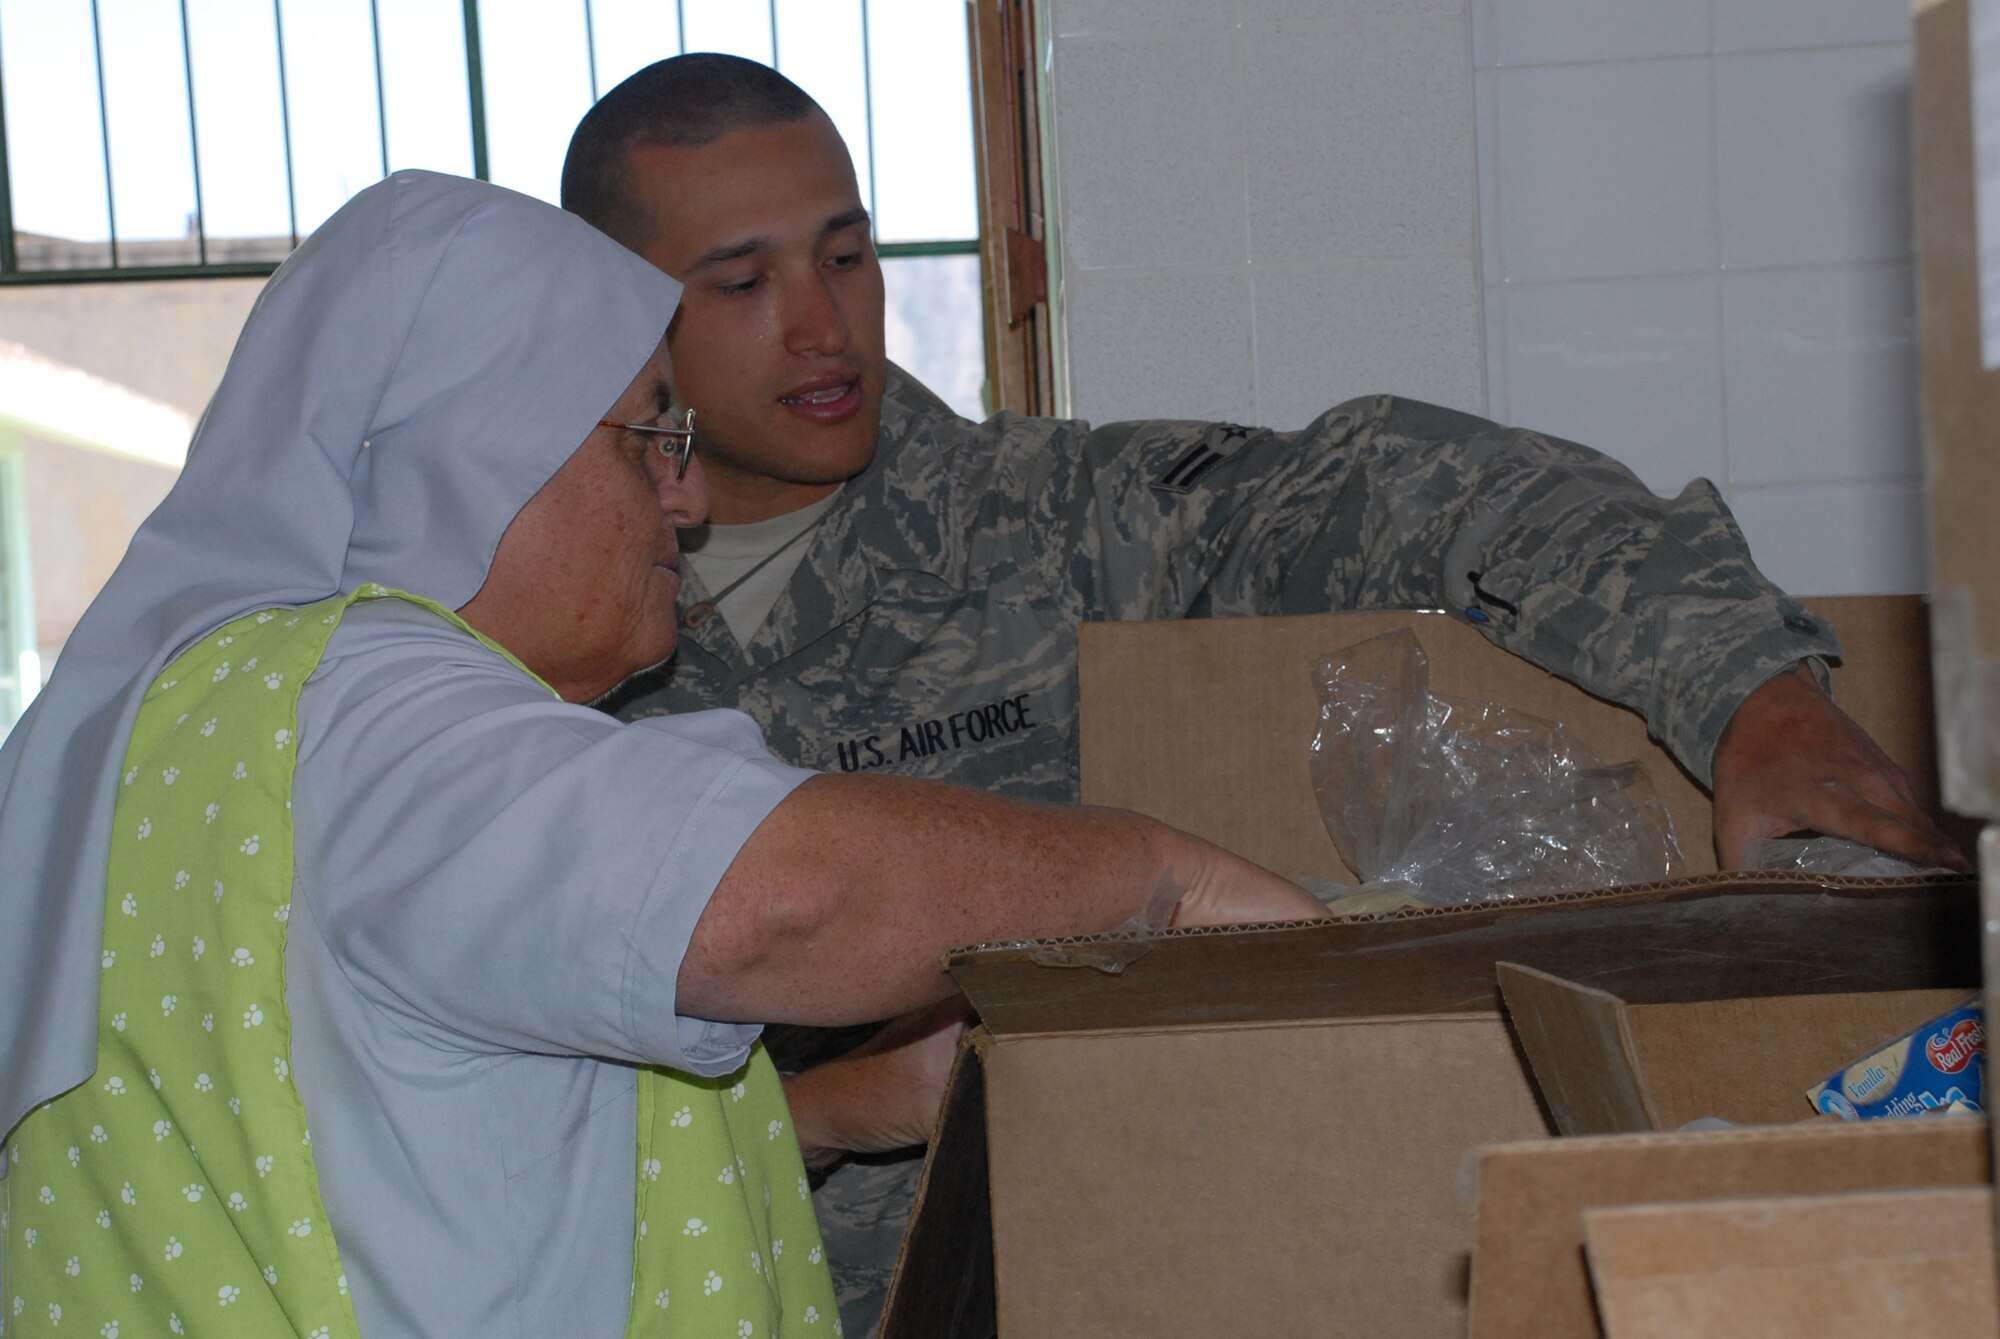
(1529, 1279)
(1265, 1130)
(1657, 1044)
(1673, 1046)
(1820, 1267)
(1206, 722)
(1269, 1127)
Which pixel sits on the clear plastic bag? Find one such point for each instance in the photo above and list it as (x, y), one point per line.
(1830, 855)
(1454, 802)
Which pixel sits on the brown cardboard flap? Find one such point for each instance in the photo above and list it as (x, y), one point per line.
(1206, 722)
(943, 1284)
(1853, 1266)
(1528, 1273)
(1765, 936)
(1961, 412)
(1579, 1051)
(1606, 1066)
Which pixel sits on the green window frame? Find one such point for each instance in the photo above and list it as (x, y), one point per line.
(12, 272)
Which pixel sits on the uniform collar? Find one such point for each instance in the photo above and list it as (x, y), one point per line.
(889, 518)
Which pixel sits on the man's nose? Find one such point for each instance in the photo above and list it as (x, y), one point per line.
(814, 322)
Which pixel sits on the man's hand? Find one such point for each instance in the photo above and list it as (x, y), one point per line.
(1791, 761)
(885, 1094)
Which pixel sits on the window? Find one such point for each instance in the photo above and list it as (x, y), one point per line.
(153, 138)
(192, 143)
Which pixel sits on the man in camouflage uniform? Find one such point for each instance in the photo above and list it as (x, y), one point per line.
(929, 628)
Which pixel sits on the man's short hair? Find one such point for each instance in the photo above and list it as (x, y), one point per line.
(685, 100)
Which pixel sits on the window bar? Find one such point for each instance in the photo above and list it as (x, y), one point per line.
(104, 133)
(285, 120)
(590, 48)
(194, 141)
(905, 250)
(681, 25)
(475, 88)
(774, 34)
(868, 108)
(8, 261)
(381, 100)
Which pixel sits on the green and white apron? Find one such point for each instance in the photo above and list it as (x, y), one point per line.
(175, 1189)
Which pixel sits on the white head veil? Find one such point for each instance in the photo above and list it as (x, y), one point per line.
(405, 383)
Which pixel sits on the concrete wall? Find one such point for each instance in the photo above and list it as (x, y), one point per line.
(1266, 206)
(167, 339)
(1677, 230)
(82, 508)
(1697, 231)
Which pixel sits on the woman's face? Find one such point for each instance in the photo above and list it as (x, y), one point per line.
(582, 586)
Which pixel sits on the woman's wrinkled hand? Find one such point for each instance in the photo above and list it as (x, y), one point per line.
(885, 1094)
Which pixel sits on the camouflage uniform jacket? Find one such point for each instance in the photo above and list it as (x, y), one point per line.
(930, 628)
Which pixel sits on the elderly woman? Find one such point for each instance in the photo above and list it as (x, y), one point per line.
(354, 978)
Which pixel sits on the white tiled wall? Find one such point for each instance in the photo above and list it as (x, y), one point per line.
(1266, 206)
(1697, 256)
(1677, 230)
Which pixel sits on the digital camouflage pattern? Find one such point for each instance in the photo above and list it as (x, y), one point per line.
(930, 629)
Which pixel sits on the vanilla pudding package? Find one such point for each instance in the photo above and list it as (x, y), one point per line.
(1939, 1067)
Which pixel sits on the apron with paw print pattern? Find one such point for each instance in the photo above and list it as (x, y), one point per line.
(176, 1187)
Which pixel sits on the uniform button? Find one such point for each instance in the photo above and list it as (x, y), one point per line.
(698, 615)
(1802, 625)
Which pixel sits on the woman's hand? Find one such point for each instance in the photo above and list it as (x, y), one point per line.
(1224, 889)
(885, 1094)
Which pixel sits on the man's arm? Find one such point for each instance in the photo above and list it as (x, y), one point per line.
(841, 905)
(1551, 550)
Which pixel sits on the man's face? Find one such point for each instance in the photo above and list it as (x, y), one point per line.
(778, 344)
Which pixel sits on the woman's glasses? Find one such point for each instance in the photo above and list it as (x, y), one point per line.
(677, 442)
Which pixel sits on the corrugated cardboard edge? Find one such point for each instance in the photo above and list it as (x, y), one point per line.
(1580, 1051)
(1796, 1267)
(1632, 892)
(1884, 936)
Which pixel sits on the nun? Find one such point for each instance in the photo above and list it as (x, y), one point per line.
(356, 977)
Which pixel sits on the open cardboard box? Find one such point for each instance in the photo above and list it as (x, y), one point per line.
(1651, 1049)
(1652, 1045)
(1264, 1130)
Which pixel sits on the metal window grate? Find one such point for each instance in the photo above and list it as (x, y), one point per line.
(232, 254)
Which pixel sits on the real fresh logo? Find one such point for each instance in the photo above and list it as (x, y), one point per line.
(1952, 1051)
